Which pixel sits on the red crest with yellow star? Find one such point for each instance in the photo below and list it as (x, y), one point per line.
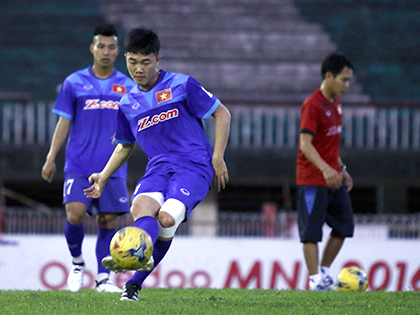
(164, 95)
(120, 89)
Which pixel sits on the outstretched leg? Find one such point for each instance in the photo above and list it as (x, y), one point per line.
(170, 217)
(144, 211)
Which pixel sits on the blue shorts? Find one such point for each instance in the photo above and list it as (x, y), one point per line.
(317, 205)
(185, 185)
(114, 198)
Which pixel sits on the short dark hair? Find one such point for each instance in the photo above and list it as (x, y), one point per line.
(142, 40)
(335, 63)
(105, 30)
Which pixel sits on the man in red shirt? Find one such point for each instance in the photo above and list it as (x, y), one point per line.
(322, 179)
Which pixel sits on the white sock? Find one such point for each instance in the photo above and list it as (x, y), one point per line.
(101, 276)
(315, 278)
(324, 271)
(78, 260)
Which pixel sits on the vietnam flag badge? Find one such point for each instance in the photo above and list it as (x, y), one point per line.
(164, 95)
(120, 89)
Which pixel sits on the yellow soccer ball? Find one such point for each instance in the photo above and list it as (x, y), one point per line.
(131, 248)
(351, 279)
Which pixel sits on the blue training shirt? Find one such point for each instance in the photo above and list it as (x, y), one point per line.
(166, 121)
(92, 106)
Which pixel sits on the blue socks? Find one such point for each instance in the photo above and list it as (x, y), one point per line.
(160, 248)
(150, 225)
(102, 247)
(74, 235)
(159, 251)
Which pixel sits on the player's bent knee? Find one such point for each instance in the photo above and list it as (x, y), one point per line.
(75, 212)
(74, 218)
(166, 220)
(146, 204)
(172, 213)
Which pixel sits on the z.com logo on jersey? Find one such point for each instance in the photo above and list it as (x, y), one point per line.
(163, 116)
(96, 104)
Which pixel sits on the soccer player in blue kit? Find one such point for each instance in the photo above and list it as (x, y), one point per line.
(164, 113)
(88, 108)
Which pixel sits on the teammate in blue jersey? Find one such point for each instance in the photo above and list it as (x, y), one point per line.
(88, 105)
(164, 114)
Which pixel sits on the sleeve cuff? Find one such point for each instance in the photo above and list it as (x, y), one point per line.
(62, 114)
(307, 131)
(211, 110)
(122, 141)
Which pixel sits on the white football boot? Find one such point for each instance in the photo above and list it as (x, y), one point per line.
(75, 279)
(326, 284)
(107, 286)
(315, 286)
(110, 264)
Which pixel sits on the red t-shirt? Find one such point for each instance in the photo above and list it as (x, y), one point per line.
(323, 119)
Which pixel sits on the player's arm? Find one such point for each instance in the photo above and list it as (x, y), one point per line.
(348, 180)
(61, 132)
(120, 155)
(332, 177)
(221, 176)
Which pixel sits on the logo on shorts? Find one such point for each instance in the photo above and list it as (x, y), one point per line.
(185, 192)
(123, 199)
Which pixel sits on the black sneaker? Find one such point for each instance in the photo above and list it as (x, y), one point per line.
(130, 292)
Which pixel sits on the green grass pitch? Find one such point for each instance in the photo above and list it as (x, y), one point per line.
(210, 301)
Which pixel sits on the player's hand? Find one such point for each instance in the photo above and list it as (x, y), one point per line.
(221, 176)
(48, 170)
(333, 178)
(95, 191)
(347, 180)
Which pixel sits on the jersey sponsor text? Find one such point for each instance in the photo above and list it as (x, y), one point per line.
(97, 104)
(163, 116)
(334, 130)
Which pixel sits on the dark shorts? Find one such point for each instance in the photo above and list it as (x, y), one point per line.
(317, 205)
(185, 185)
(114, 198)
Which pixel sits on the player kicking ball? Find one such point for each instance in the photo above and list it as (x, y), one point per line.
(164, 114)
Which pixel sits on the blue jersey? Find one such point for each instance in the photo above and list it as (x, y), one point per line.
(92, 106)
(167, 123)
